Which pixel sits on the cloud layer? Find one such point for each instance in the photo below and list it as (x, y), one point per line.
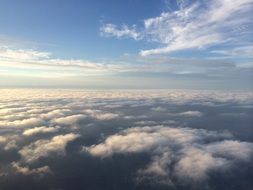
(182, 152)
(143, 139)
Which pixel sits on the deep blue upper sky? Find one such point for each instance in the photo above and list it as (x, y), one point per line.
(155, 43)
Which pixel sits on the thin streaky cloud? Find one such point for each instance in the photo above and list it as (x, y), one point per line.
(197, 25)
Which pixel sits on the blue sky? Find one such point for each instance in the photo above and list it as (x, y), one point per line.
(127, 44)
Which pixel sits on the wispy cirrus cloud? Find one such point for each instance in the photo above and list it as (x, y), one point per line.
(111, 30)
(195, 25)
(20, 54)
(45, 69)
(244, 51)
(26, 58)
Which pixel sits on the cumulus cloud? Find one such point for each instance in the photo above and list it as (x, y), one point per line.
(55, 113)
(42, 129)
(12, 144)
(196, 163)
(188, 154)
(44, 148)
(27, 171)
(99, 115)
(130, 139)
(191, 114)
(22, 123)
(158, 109)
(137, 126)
(69, 120)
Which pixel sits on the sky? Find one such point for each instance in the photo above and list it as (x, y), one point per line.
(127, 44)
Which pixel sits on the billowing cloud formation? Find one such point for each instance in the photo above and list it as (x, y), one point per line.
(100, 115)
(22, 123)
(27, 171)
(183, 152)
(37, 130)
(148, 139)
(68, 120)
(42, 148)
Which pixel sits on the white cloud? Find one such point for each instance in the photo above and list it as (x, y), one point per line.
(123, 31)
(69, 120)
(22, 123)
(244, 51)
(158, 109)
(99, 115)
(191, 114)
(179, 152)
(145, 123)
(55, 113)
(30, 60)
(44, 148)
(20, 54)
(145, 138)
(231, 149)
(27, 171)
(12, 144)
(195, 164)
(196, 25)
(38, 130)
(175, 152)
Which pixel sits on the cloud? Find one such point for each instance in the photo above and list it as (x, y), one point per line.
(123, 32)
(187, 154)
(38, 130)
(244, 51)
(69, 120)
(2, 139)
(193, 25)
(196, 163)
(140, 147)
(198, 25)
(231, 149)
(12, 144)
(115, 72)
(55, 113)
(29, 60)
(145, 138)
(20, 54)
(191, 114)
(45, 148)
(27, 171)
(22, 123)
(158, 109)
(99, 115)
